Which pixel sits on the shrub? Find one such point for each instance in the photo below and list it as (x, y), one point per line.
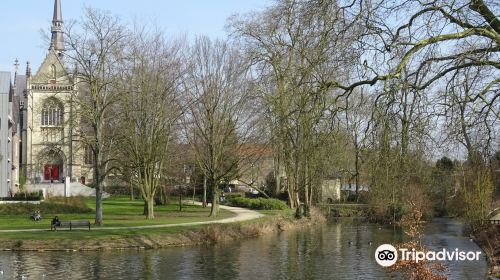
(256, 203)
(348, 212)
(396, 210)
(55, 205)
(119, 190)
(24, 196)
(298, 212)
(233, 195)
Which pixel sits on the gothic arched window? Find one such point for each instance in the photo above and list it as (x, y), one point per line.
(52, 113)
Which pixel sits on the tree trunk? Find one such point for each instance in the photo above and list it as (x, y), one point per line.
(277, 177)
(98, 206)
(163, 194)
(180, 202)
(98, 192)
(356, 164)
(131, 191)
(291, 194)
(306, 200)
(204, 191)
(215, 207)
(150, 206)
(194, 191)
(277, 189)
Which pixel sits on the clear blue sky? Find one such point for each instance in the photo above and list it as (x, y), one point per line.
(21, 21)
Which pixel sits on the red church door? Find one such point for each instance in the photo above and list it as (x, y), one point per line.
(51, 172)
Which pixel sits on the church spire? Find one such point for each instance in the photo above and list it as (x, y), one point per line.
(57, 41)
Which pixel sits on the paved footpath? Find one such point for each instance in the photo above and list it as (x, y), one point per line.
(496, 217)
(242, 214)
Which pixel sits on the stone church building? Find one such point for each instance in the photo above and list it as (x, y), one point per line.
(50, 149)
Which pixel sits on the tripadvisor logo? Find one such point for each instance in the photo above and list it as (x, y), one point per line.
(386, 255)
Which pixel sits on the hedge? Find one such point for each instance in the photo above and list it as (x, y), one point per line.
(256, 203)
(54, 205)
(24, 196)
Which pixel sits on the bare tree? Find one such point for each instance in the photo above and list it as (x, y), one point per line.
(297, 46)
(148, 109)
(357, 116)
(475, 130)
(426, 43)
(219, 115)
(95, 46)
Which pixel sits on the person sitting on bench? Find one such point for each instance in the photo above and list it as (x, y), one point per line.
(36, 216)
(222, 198)
(56, 222)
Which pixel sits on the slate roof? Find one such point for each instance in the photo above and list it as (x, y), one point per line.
(20, 85)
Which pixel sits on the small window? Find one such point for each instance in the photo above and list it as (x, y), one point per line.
(53, 71)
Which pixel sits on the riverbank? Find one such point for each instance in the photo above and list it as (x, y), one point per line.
(155, 237)
(488, 238)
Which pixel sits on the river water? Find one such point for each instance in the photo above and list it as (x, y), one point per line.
(338, 250)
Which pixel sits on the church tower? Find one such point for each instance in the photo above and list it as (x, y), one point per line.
(49, 144)
(57, 40)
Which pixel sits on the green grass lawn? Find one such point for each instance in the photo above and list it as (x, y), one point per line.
(82, 235)
(118, 212)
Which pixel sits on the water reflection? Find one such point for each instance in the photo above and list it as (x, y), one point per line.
(445, 233)
(312, 253)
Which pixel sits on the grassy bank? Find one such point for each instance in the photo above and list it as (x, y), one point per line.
(151, 238)
(120, 211)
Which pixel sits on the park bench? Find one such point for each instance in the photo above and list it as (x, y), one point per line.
(72, 224)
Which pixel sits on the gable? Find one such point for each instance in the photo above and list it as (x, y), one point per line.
(51, 68)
